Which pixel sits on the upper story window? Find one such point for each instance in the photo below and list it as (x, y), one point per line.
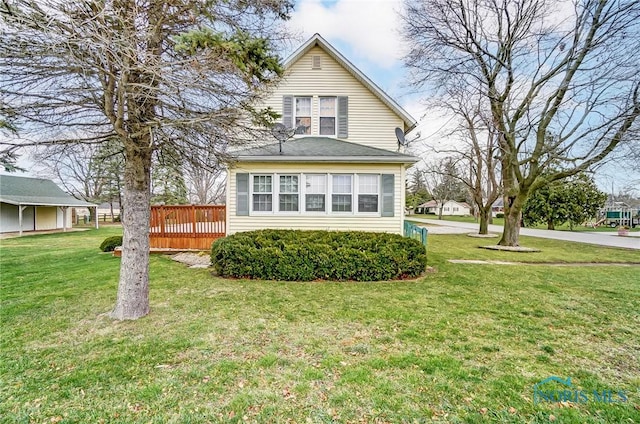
(327, 116)
(303, 114)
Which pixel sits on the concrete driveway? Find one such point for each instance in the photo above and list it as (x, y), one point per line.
(601, 239)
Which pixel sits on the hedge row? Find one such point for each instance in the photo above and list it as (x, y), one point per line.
(294, 255)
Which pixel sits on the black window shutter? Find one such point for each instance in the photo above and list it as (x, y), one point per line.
(242, 194)
(387, 194)
(343, 117)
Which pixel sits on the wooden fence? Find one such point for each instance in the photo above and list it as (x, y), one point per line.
(186, 226)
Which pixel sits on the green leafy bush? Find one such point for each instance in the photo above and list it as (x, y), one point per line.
(110, 243)
(499, 215)
(294, 255)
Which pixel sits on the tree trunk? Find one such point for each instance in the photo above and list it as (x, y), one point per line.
(440, 212)
(133, 288)
(485, 215)
(550, 225)
(513, 197)
(512, 219)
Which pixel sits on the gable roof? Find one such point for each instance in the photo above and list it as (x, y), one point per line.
(35, 191)
(317, 40)
(322, 149)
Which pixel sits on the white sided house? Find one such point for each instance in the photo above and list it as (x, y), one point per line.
(450, 207)
(343, 170)
(34, 204)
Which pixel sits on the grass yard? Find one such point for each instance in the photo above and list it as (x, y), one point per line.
(465, 344)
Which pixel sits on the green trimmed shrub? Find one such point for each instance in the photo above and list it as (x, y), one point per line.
(110, 243)
(499, 215)
(294, 255)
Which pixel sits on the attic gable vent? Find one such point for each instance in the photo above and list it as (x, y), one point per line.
(315, 62)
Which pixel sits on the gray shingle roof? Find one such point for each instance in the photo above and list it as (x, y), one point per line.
(35, 191)
(322, 149)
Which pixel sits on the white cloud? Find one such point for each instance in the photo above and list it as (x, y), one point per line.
(369, 27)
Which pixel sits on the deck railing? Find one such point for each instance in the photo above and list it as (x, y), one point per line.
(413, 231)
(186, 226)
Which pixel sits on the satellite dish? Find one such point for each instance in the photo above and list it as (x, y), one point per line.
(400, 136)
(402, 141)
(279, 131)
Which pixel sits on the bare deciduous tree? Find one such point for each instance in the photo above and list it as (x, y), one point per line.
(206, 184)
(86, 171)
(442, 179)
(177, 74)
(543, 67)
(476, 153)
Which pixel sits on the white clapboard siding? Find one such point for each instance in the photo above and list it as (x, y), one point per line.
(320, 221)
(371, 122)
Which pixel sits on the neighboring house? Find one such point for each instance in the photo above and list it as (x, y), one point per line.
(33, 204)
(343, 171)
(497, 207)
(450, 207)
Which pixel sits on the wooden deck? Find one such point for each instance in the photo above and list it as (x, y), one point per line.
(186, 226)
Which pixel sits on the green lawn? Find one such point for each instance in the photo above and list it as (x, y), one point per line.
(500, 221)
(465, 344)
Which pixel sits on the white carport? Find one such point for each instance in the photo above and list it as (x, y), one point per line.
(32, 204)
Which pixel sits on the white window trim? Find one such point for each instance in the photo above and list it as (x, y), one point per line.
(379, 194)
(294, 116)
(252, 192)
(275, 195)
(331, 193)
(276, 208)
(335, 116)
(327, 199)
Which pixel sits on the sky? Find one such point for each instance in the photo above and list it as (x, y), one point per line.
(368, 34)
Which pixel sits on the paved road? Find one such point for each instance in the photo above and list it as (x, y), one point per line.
(601, 239)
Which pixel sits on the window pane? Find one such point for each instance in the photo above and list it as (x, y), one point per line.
(262, 184)
(342, 184)
(303, 106)
(303, 122)
(368, 184)
(262, 202)
(316, 184)
(288, 184)
(314, 203)
(327, 126)
(368, 203)
(328, 106)
(341, 203)
(288, 203)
